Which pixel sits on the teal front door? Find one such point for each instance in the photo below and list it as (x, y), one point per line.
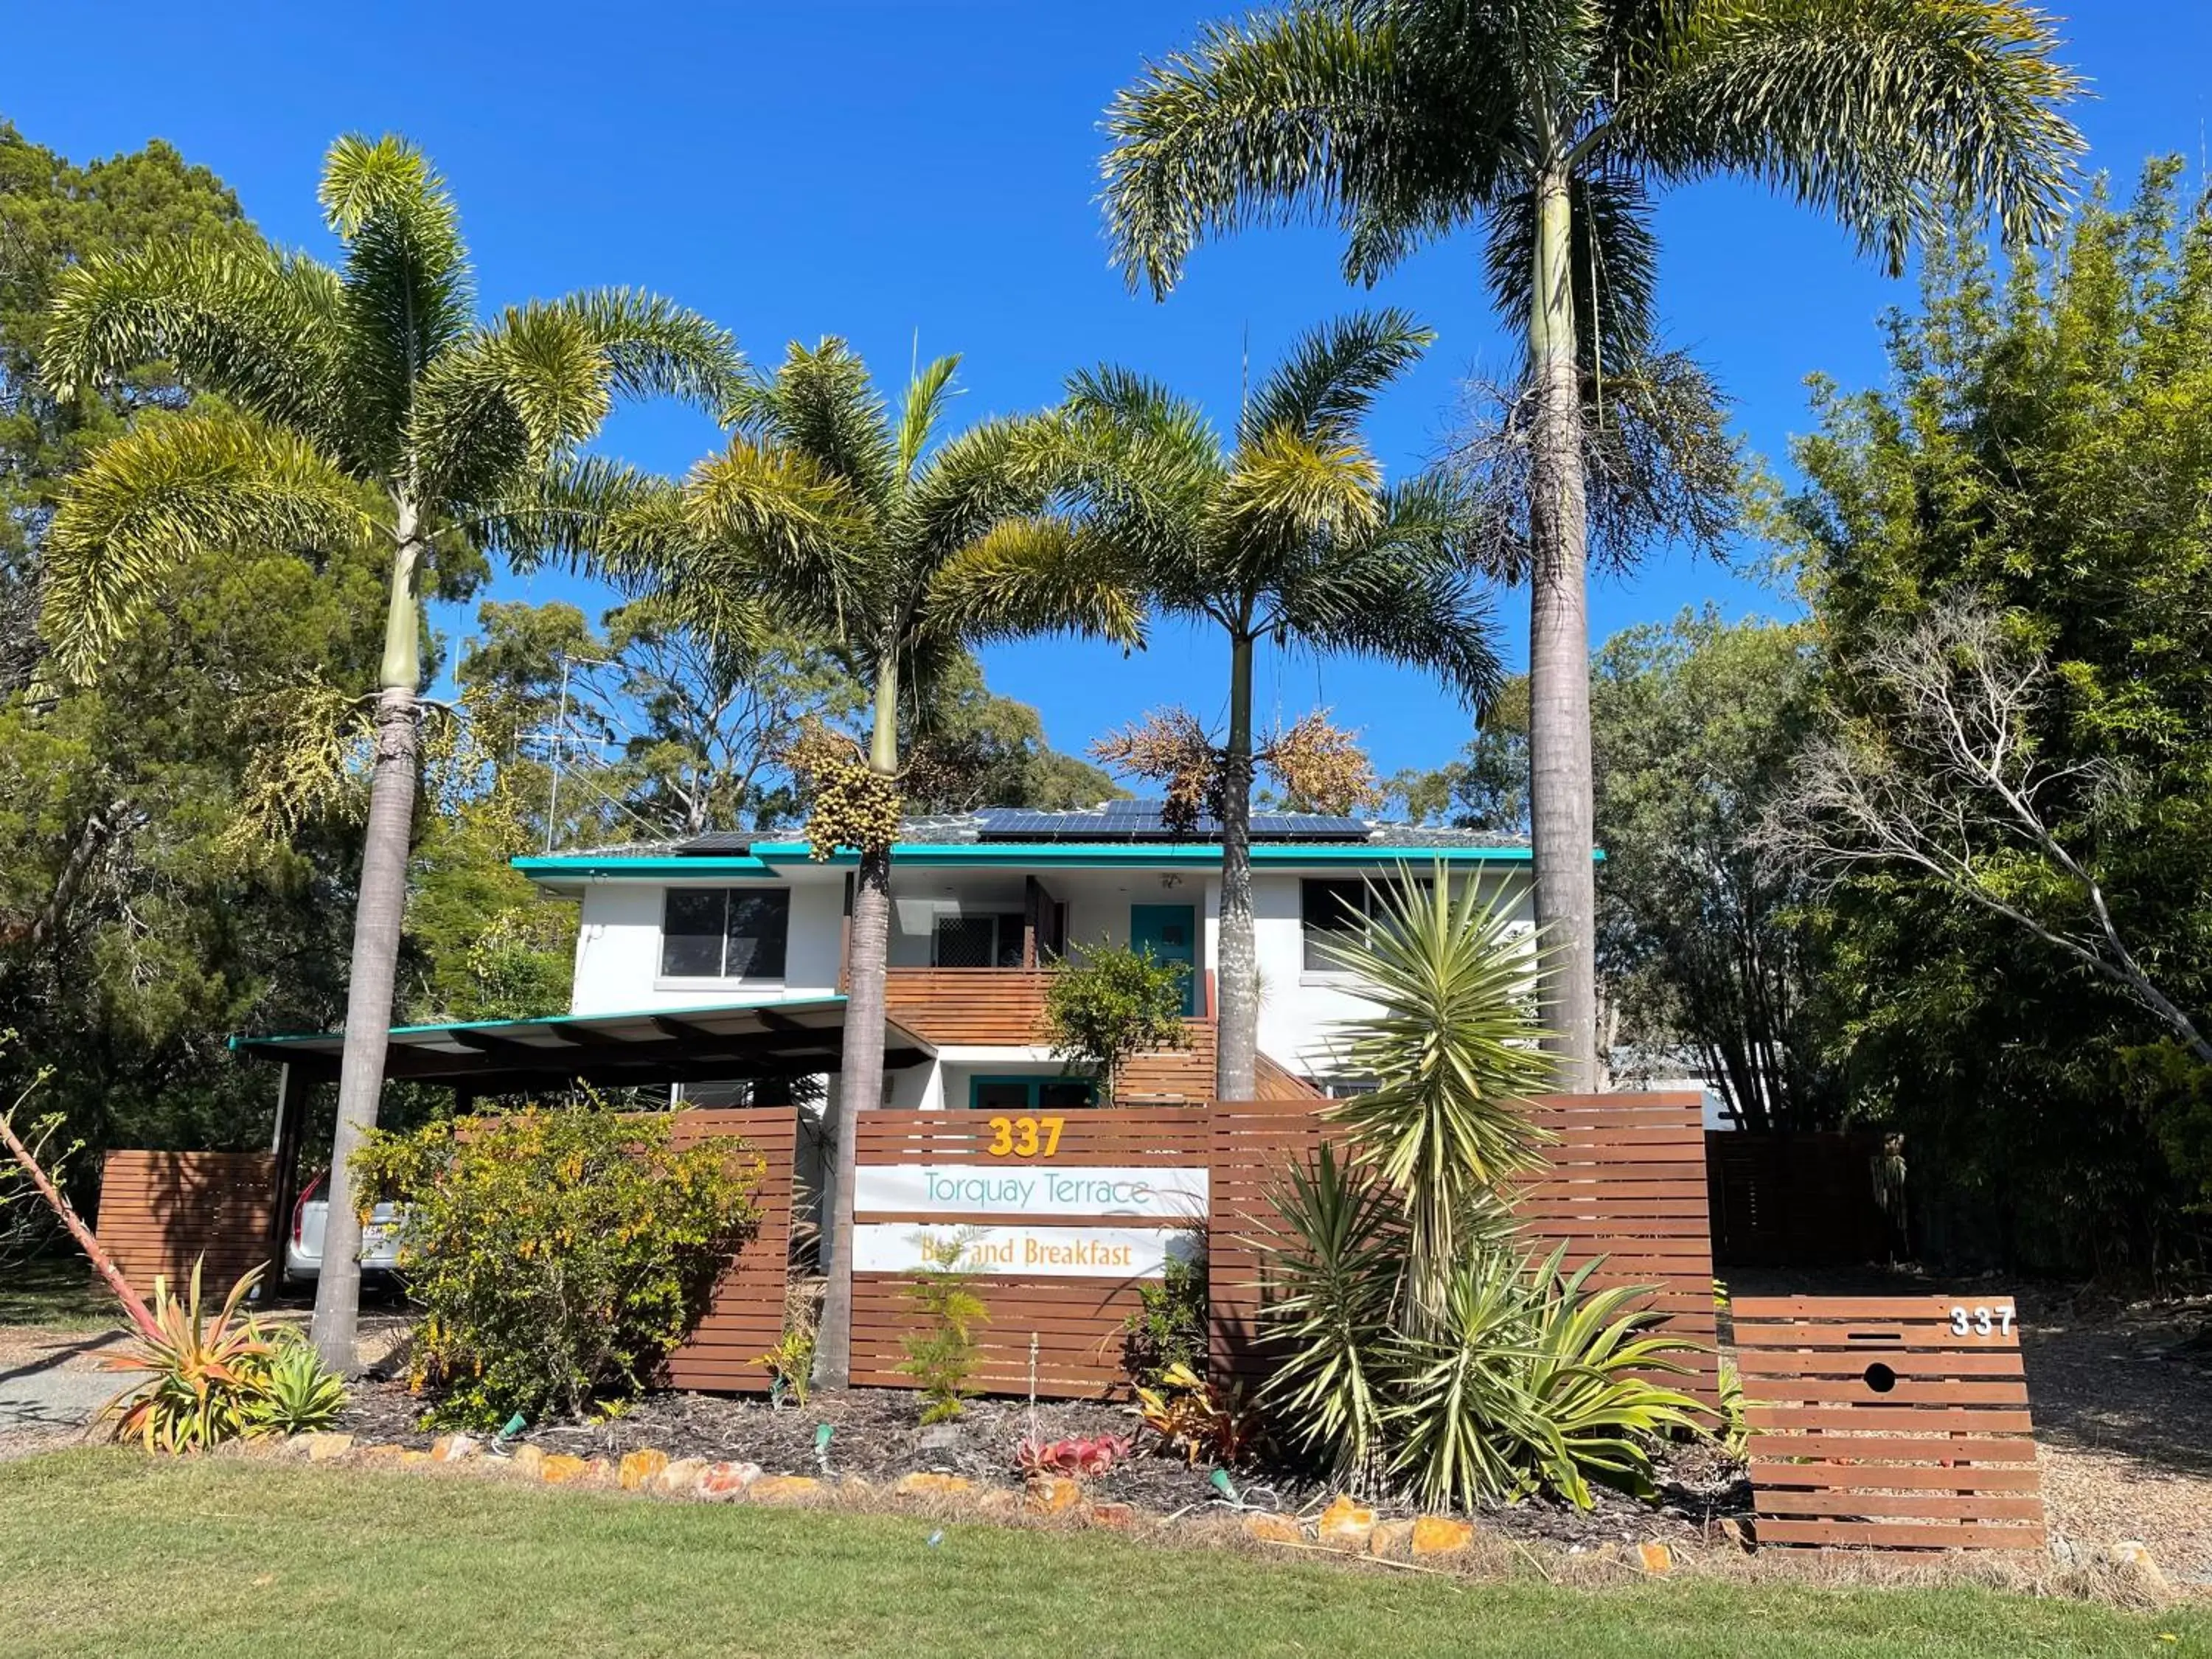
(1170, 932)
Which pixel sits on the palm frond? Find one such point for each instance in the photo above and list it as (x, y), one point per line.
(245, 323)
(1285, 494)
(771, 520)
(926, 399)
(1330, 378)
(654, 348)
(168, 490)
(1614, 264)
(1882, 113)
(1029, 576)
(1358, 114)
(585, 512)
(821, 405)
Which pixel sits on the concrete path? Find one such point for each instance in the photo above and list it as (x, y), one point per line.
(58, 1384)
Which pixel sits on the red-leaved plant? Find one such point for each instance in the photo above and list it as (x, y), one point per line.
(1079, 1458)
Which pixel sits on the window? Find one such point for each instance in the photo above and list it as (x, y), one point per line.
(977, 941)
(723, 932)
(1336, 911)
(1030, 1094)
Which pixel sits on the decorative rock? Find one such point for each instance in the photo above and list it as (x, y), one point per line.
(1346, 1525)
(383, 1454)
(1118, 1516)
(528, 1461)
(727, 1479)
(942, 1436)
(1391, 1539)
(783, 1488)
(1273, 1529)
(451, 1449)
(1054, 1494)
(2135, 1557)
(683, 1476)
(919, 1484)
(641, 1468)
(855, 1484)
(1439, 1535)
(321, 1447)
(414, 1459)
(997, 1501)
(561, 1469)
(1655, 1558)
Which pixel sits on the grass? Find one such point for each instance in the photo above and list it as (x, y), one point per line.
(58, 1292)
(104, 1552)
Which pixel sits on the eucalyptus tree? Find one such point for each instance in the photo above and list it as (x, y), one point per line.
(1552, 124)
(364, 405)
(1287, 534)
(830, 515)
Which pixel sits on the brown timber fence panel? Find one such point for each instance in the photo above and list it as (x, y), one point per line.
(1623, 1179)
(744, 1319)
(1794, 1200)
(1074, 1322)
(1878, 1423)
(159, 1212)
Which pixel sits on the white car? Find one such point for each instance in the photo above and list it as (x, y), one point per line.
(303, 1252)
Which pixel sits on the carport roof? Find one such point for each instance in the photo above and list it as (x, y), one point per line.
(728, 1041)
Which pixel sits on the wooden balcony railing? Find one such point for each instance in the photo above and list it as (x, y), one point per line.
(944, 1005)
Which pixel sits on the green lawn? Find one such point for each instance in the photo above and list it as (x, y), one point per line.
(56, 1291)
(104, 1554)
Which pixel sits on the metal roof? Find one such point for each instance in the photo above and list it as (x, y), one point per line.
(798, 1038)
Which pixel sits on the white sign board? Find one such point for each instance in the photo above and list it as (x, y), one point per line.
(895, 1247)
(1029, 1190)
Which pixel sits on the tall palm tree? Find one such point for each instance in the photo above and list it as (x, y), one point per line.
(367, 404)
(828, 515)
(1290, 535)
(1552, 123)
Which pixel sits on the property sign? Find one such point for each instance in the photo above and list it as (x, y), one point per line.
(985, 1190)
(897, 1246)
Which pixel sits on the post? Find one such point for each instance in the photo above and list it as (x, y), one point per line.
(1033, 900)
(292, 1090)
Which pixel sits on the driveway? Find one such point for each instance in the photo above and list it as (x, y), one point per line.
(52, 1384)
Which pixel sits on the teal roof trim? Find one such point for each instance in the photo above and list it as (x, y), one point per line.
(766, 856)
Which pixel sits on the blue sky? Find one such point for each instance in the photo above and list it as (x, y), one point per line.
(887, 170)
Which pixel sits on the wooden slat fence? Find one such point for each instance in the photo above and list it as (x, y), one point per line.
(1624, 1179)
(159, 1211)
(1876, 1423)
(1076, 1323)
(744, 1319)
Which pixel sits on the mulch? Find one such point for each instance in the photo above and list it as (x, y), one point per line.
(875, 1435)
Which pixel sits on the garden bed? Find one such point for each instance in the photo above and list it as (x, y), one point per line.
(876, 1437)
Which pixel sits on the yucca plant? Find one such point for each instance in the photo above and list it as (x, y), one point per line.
(296, 1393)
(205, 1374)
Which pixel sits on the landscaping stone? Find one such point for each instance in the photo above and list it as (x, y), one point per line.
(1439, 1535)
(1054, 1494)
(452, 1448)
(527, 1460)
(415, 1459)
(997, 1501)
(681, 1476)
(727, 1479)
(783, 1488)
(1655, 1558)
(1118, 1516)
(921, 1484)
(321, 1447)
(1273, 1529)
(387, 1454)
(562, 1469)
(2135, 1555)
(1346, 1525)
(1391, 1539)
(641, 1468)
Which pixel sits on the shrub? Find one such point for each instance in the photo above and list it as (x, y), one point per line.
(1083, 1457)
(1167, 1331)
(791, 1361)
(1198, 1419)
(204, 1376)
(559, 1254)
(943, 1356)
(298, 1394)
(1111, 1004)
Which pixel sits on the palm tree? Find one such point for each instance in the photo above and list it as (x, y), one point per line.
(1552, 124)
(828, 516)
(1290, 535)
(365, 404)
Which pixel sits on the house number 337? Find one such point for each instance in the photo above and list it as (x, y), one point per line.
(1024, 1137)
(1981, 1322)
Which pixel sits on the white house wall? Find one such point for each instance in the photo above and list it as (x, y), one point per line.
(618, 949)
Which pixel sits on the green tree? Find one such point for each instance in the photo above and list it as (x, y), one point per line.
(1290, 535)
(832, 516)
(1553, 124)
(363, 405)
(2036, 462)
(1110, 1003)
(1487, 786)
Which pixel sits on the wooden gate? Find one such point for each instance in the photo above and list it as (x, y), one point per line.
(1067, 1300)
(744, 1319)
(159, 1211)
(1890, 1423)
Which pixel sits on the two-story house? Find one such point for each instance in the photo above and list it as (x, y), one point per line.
(983, 902)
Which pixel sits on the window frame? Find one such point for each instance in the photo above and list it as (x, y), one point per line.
(1034, 1083)
(664, 979)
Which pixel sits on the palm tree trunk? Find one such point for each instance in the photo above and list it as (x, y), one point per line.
(860, 1082)
(1237, 977)
(376, 924)
(1561, 812)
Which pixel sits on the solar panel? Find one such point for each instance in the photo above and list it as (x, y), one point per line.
(1142, 820)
